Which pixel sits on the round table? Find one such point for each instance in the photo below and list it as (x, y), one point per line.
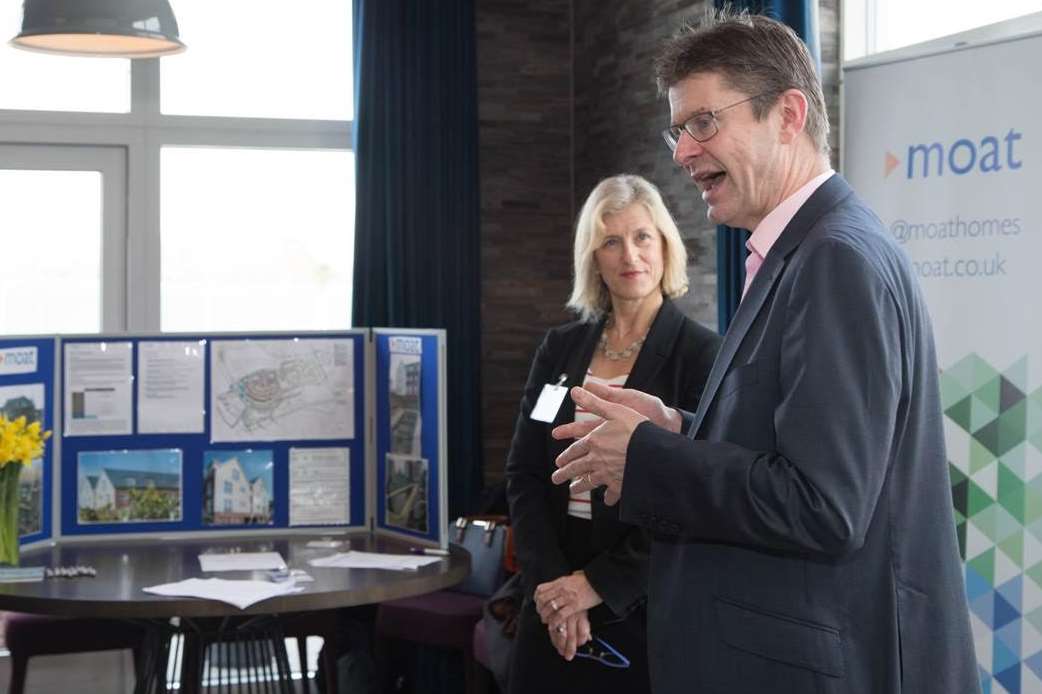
(125, 567)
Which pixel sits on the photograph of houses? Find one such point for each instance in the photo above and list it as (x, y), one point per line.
(237, 487)
(129, 486)
(406, 492)
(27, 401)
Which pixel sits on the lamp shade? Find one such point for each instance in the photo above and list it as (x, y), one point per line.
(112, 28)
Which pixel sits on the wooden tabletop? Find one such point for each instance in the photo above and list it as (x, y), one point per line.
(125, 567)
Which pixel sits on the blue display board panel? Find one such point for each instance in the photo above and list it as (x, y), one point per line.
(401, 459)
(195, 446)
(28, 363)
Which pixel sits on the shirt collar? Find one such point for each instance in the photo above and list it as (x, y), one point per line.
(771, 227)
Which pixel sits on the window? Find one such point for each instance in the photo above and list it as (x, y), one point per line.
(207, 191)
(228, 488)
(873, 26)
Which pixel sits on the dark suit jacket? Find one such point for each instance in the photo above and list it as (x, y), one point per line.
(673, 364)
(806, 541)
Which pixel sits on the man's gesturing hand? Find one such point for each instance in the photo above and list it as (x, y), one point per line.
(599, 457)
(648, 405)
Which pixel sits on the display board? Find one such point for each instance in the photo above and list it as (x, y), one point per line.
(411, 476)
(943, 141)
(163, 434)
(200, 432)
(27, 389)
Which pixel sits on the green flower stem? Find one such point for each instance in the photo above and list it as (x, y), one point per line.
(9, 474)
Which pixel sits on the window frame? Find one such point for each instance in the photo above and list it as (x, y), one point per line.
(143, 132)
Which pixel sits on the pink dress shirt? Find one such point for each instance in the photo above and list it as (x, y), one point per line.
(772, 226)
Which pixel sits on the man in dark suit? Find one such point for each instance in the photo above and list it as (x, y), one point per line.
(805, 540)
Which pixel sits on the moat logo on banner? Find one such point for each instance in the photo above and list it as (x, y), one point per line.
(963, 156)
(17, 360)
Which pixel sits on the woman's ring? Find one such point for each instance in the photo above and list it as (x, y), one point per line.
(560, 628)
(553, 605)
(589, 480)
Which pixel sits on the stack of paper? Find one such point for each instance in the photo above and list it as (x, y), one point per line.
(373, 560)
(242, 594)
(242, 561)
(16, 574)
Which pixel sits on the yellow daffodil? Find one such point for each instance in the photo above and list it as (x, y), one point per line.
(20, 442)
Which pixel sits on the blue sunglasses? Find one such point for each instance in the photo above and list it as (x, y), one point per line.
(603, 652)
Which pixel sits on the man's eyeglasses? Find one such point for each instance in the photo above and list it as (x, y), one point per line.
(603, 652)
(701, 127)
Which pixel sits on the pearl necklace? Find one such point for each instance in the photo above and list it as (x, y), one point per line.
(612, 355)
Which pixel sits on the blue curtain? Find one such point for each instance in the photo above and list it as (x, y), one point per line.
(417, 243)
(802, 16)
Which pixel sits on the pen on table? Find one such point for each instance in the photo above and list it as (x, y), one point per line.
(433, 551)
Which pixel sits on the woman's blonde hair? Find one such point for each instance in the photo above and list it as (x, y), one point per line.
(590, 297)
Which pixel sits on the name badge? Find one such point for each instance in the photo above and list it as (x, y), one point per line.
(550, 400)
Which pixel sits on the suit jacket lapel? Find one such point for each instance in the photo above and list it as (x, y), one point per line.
(830, 193)
(662, 335)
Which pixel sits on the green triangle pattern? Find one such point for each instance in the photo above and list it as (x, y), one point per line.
(960, 412)
(1013, 547)
(980, 456)
(988, 394)
(1004, 432)
(1016, 460)
(984, 564)
(1017, 374)
(963, 373)
(951, 391)
(981, 413)
(1035, 573)
(987, 522)
(1035, 618)
(1034, 421)
(1011, 493)
(1032, 505)
(977, 499)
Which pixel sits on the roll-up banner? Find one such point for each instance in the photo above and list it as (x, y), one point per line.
(944, 140)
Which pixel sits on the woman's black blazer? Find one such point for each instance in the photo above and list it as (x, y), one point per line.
(673, 364)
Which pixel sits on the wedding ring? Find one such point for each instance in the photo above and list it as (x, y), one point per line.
(589, 480)
(553, 605)
(560, 628)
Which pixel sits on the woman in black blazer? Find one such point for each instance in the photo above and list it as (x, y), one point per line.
(574, 551)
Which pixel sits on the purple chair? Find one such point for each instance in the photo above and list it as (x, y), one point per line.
(445, 619)
(26, 635)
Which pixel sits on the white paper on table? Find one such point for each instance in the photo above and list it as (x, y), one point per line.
(170, 387)
(242, 561)
(374, 560)
(242, 594)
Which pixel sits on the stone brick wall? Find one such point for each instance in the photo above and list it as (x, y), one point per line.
(618, 118)
(566, 98)
(525, 118)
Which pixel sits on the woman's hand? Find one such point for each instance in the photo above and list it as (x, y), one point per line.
(570, 634)
(558, 600)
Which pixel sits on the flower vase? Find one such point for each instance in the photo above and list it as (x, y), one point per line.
(9, 473)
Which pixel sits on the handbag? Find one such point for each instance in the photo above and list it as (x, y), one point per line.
(485, 539)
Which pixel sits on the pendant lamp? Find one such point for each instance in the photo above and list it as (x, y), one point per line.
(103, 28)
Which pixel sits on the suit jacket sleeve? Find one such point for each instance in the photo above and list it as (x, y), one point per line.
(620, 574)
(529, 488)
(835, 404)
